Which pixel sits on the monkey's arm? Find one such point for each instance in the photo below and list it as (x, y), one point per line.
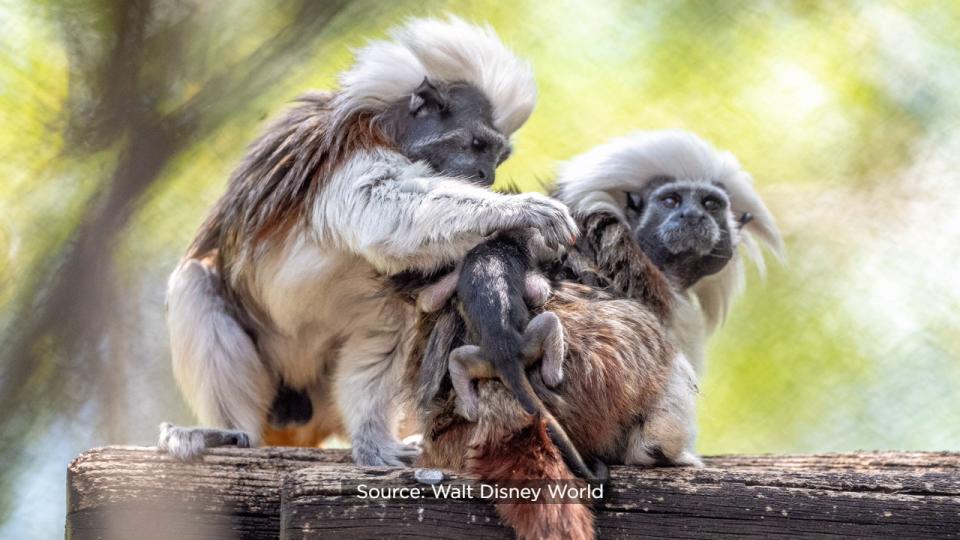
(399, 217)
(619, 259)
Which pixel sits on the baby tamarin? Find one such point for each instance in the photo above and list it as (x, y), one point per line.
(502, 340)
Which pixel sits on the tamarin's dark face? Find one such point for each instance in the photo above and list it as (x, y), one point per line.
(683, 226)
(450, 126)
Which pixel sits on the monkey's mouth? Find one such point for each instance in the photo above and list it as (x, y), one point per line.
(689, 239)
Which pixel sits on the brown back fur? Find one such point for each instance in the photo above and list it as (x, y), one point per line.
(273, 190)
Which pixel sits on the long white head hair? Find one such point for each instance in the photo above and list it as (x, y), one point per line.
(450, 50)
(598, 180)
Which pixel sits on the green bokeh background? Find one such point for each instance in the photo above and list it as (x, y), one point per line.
(846, 113)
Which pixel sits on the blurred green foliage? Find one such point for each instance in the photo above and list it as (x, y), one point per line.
(120, 122)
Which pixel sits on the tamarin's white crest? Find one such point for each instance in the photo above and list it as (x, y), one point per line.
(450, 51)
(599, 179)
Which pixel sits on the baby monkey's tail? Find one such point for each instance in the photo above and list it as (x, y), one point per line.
(515, 379)
(511, 448)
(468, 363)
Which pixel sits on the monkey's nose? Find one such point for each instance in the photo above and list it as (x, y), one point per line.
(485, 177)
(693, 216)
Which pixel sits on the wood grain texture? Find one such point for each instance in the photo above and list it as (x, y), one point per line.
(305, 493)
(129, 492)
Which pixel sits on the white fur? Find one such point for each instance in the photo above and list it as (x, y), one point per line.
(316, 298)
(316, 294)
(447, 51)
(320, 288)
(671, 426)
(397, 216)
(597, 181)
(214, 361)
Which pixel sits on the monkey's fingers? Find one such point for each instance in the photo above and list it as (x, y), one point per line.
(551, 218)
(402, 455)
(544, 338)
(466, 364)
(375, 452)
(190, 443)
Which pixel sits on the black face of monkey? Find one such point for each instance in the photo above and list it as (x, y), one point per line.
(450, 126)
(683, 227)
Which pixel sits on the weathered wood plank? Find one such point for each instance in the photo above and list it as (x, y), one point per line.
(130, 492)
(319, 502)
(906, 495)
(138, 493)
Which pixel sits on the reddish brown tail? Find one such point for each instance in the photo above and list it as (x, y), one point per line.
(515, 450)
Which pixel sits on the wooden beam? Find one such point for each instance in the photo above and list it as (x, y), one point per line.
(138, 493)
(305, 493)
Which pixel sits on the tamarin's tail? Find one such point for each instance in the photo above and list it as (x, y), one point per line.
(214, 360)
(515, 379)
(512, 448)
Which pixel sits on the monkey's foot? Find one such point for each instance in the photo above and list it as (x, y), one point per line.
(536, 289)
(466, 364)
(189, 443)
(688, 459)
(385, 454)
(544, 339)
(435, 296)
(651, 454)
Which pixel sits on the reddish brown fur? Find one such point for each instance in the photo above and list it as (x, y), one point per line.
(617, 362)
(274, 188)
(616, 367)
(509, 447)
(272, 191)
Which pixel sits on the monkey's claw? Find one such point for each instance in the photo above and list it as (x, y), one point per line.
(390, 454)
(466, 364)
(544, 338)
(551, 218)
(190, 443)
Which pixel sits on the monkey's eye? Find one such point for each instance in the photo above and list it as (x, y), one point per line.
(634, 200)
(670, 201)
(712, 203)
(478, 144)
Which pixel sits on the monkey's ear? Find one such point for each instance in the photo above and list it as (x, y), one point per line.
(428, 97)
(634, 200)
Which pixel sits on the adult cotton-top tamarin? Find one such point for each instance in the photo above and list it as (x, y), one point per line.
(280, 288)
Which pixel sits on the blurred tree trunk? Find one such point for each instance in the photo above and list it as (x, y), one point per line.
(57, 354)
